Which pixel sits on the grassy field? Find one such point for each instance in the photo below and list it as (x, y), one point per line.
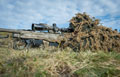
(58, 63)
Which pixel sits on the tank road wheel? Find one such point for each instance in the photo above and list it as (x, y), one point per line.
(19, 44)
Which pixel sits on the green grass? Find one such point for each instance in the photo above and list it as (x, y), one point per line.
(55, 62)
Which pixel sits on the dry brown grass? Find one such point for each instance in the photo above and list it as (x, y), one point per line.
(58, 63)
(88, 34)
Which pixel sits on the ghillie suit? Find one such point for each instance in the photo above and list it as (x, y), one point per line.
(89, 35)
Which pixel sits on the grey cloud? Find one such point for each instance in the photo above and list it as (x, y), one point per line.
(22, 13)
(37, 11)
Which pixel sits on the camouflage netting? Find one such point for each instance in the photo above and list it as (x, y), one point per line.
(90, 35)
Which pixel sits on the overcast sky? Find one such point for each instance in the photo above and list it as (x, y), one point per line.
(18, 14)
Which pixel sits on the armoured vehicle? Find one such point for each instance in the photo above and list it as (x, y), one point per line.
(40, 34)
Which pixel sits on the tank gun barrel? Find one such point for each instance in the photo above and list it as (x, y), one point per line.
(9, 30)
(14, 30)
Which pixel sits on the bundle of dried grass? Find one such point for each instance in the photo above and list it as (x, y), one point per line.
(90, 35)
